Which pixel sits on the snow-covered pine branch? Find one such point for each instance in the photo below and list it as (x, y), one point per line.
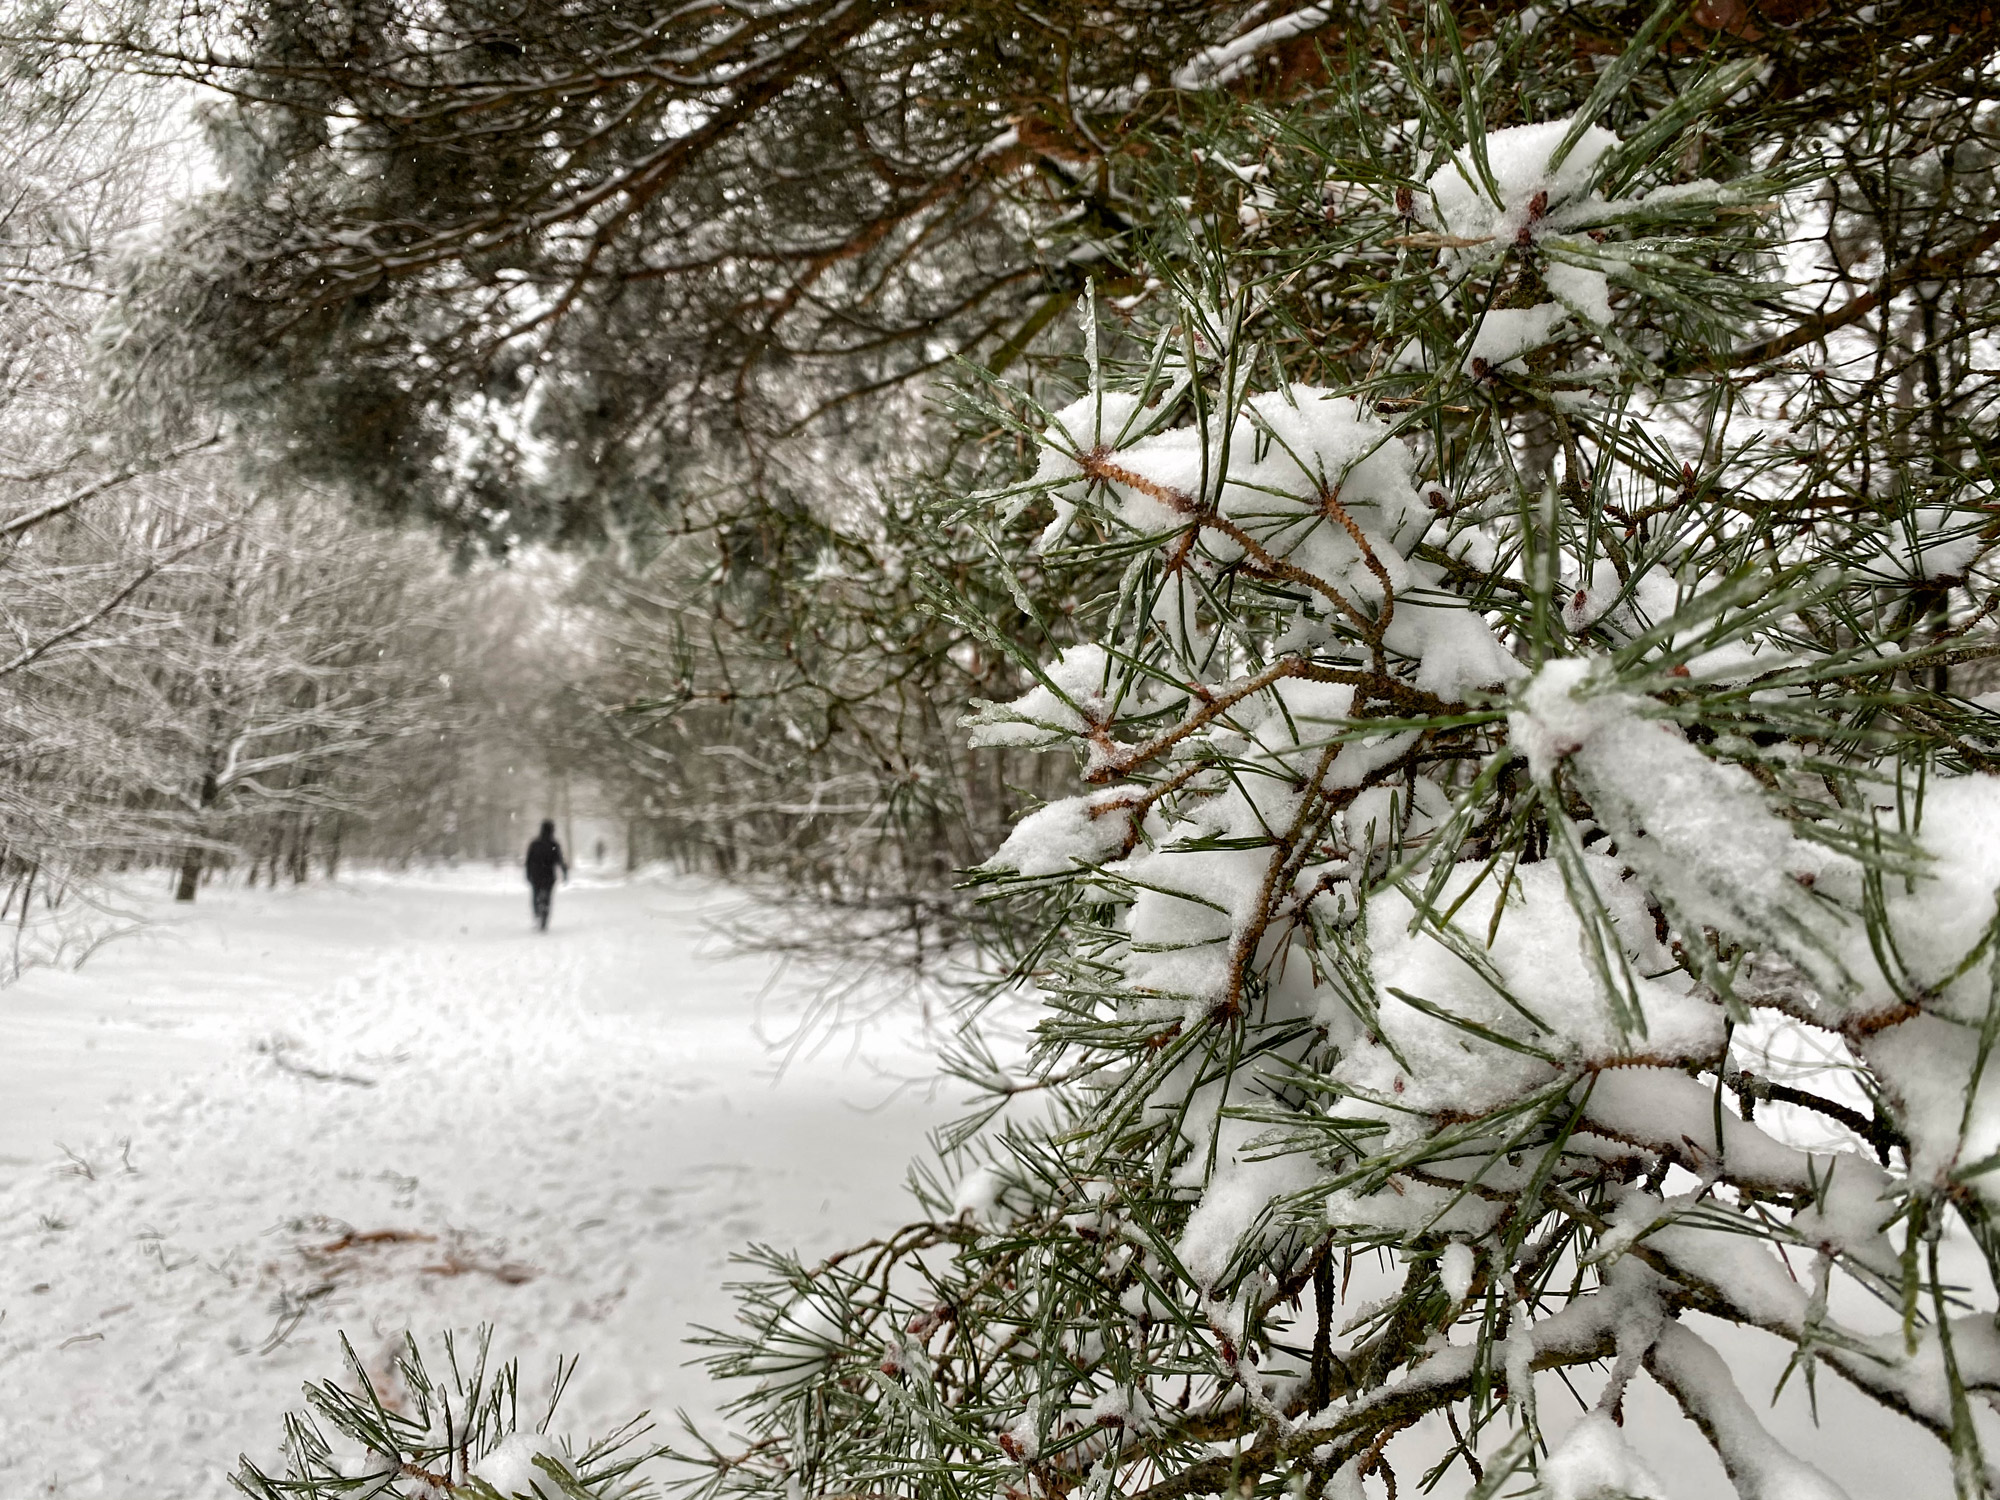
(1516, 716)
(1485, 765)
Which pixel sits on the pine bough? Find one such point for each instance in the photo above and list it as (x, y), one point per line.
(1492, 771)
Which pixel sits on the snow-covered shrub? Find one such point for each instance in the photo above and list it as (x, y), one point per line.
(1498, 751)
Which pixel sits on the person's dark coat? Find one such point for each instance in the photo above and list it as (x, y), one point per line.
(545, 858)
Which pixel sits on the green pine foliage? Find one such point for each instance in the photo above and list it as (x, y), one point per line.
(1520, 661)
(443, 1426)
(1494, 739)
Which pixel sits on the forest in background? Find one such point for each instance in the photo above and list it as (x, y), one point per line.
(272, 278)
(221, 662)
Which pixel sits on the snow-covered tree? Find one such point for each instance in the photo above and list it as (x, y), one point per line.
(292, 663)
(503, 265)
(1529, 898)
(89, 521)
(545, 273)
(779, 698)
(247, 683)
(201, 667)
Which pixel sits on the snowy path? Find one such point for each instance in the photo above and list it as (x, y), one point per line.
(566, 1136)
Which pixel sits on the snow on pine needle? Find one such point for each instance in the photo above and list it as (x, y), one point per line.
(448, 1425)
(1487, 738)
(1478, 745)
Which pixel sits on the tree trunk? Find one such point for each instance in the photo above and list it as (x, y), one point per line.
(190, 878)
(191, 857)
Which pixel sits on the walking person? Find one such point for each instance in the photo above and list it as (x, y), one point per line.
(545, 860)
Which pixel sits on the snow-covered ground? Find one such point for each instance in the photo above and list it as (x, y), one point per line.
(387, 1104)
(383, 1104)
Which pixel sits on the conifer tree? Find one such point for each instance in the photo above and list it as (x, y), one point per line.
(1494, 759)
(1521, 675)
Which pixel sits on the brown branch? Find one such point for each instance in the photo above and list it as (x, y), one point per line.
(1750, 1087)
(1359, 1428)
(1118, 760)
(1931, 267)
(1095, 467)
(1244, 949)
(1374, 564)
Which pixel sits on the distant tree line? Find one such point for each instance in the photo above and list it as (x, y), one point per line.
(204, 665)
